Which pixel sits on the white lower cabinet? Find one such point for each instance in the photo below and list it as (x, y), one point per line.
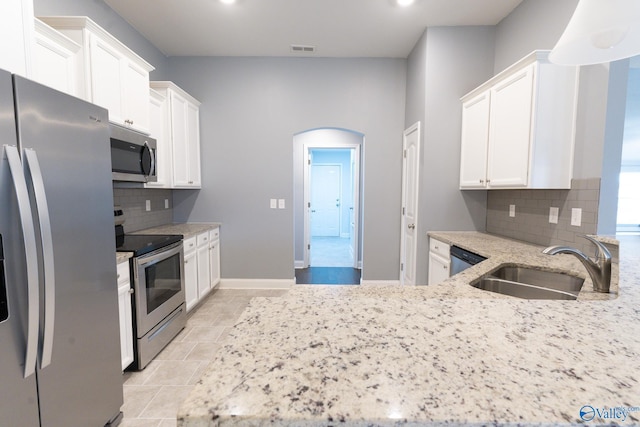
(201, 266)
(204, 274)
(439, 261)
(214, 254)
(125, 314)
(190, 273)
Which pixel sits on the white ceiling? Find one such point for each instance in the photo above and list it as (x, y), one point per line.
(338, 28)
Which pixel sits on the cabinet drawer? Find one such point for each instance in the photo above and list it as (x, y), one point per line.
(214, 234)
(190, 244)
(203, 239)
(123, 273)
(438, 247)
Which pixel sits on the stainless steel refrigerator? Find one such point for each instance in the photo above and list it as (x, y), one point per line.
(59, 333)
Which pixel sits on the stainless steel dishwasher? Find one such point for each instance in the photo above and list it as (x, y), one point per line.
(462, 259)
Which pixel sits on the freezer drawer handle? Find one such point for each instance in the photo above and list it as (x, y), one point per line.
(29, 236)
(47, 254)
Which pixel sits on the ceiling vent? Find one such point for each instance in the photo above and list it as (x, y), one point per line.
(298, 48)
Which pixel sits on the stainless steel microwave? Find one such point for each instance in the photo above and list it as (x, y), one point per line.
(133, 155)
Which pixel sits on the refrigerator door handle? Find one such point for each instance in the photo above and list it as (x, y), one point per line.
(31, 257)
(47, 254)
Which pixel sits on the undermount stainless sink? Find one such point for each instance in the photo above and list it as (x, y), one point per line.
(528, 283)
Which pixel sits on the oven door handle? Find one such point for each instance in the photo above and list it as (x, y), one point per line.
(160, 255)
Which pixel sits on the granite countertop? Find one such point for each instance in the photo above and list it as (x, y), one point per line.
(385, 355)
(186, 229)
(123, 256)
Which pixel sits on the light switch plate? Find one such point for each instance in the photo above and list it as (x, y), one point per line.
(273, 203)
(280, 203)
(576, 217)
(147, 205)
(512, 211)
(553, 215)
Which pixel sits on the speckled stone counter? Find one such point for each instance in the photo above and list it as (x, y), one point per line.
(447, 354)
(186, 229)
(123, 256)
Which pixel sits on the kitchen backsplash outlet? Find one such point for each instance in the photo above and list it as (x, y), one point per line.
(531, 224)
(134, 203)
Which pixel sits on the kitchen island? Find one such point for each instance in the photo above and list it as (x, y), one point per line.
(436, 355)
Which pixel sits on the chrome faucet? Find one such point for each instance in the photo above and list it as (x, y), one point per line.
(599, 269)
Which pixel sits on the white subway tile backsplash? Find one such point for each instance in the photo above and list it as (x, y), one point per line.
(133, 201)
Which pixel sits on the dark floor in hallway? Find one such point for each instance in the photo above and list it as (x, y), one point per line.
(328, 276)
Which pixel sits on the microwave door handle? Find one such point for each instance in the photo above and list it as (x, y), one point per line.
(31, 254)
(47, 254)
(151, 162)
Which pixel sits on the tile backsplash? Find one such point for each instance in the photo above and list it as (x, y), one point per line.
(133, 203)
(531, 222)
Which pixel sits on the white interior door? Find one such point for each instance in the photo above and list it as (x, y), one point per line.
(325, 200)
(410, 180)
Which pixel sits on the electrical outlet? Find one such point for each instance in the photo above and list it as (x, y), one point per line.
(280, 203)
(553, 215)
(147, 205)
(512, 211)
(273, 203)
(166, 203)
(576, 217)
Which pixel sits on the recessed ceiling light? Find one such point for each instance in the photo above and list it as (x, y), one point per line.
(404, 3)
(228, 1)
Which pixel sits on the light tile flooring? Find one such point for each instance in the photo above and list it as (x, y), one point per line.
(330, 252)
(152, 396)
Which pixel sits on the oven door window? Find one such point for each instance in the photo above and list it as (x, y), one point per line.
(162, 281)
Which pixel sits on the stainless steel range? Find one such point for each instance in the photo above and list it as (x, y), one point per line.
(158, 289)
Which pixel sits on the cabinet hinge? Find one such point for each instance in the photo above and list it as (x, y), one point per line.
(403, 210)
(308, 204)
(309, 246)
(401, 267)
(404, 154)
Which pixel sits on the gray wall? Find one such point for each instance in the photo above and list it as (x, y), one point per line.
(251, 109)
(445, 64)
(104, 16)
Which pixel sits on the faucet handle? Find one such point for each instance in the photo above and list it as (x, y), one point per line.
(601, 250)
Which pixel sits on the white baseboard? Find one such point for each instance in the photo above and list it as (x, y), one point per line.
(298, 264)
(256, 283)
(380, 282)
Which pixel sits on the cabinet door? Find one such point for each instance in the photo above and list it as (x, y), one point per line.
(193, 138)
(126, 324)
(475, 139)
(510, 131)
(16, 36)
(106, 78)
(214, 262)
(135, 93)
(204, 278)
(179, 140)
(54, 64)
(158, 124)
(190, 279)
(438, 268)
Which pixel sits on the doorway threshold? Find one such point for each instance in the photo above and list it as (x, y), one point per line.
(328, 276)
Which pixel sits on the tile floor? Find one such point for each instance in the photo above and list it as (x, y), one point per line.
(330, 252)
(152, 396)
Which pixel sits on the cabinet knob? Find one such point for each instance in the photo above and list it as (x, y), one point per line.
(437, 247)
(445, 267)
(482, 181)
(131, 291)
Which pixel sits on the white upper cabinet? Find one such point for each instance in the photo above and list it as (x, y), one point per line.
(183, 130)
(109, 73)
(158, 123)
(16, 36)
(518, 128)
(54, 59)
